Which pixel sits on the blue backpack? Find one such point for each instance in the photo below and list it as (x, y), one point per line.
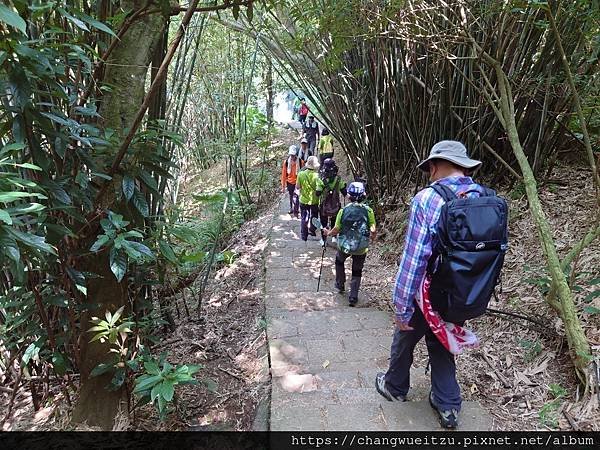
(466, 263)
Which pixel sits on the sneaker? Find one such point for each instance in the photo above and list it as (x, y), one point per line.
(340, 288)
(380, 386)
(448, 418)
(322, 243)
(352, 301)
(290, 212)
(334, 240)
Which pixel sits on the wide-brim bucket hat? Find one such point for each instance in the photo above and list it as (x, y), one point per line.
(312, 163)
(452, 151)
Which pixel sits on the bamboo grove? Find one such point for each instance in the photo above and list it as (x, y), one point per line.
(392, 78)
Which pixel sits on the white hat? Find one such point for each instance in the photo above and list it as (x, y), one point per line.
(313, 163)
(293, 150)
(304, 141)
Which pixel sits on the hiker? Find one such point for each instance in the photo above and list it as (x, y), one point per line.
(465, 224)
(355, 225)
(329, 188)
(325, 146)
(311, 133)
(302, 111)
(289, 174)
(296, 109)
(303, 153)
(309, 202)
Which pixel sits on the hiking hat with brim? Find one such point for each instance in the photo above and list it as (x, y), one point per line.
(293, 150)
(452, 151)
(312, 163)
(304, 141)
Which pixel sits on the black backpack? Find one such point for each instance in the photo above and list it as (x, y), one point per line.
(466, 263)
(331, 204)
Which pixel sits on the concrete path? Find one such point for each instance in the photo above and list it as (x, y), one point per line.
(324, 354)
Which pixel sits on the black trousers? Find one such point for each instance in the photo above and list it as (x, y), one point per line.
(358, 262)
(307, 212)
(291, 188)
(445, 388)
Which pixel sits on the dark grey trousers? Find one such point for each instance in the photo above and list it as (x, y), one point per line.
(358, 262)
(446, 392)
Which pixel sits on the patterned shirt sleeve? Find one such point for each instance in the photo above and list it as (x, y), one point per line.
(417, 250)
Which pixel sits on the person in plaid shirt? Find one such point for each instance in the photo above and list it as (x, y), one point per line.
(447, 164)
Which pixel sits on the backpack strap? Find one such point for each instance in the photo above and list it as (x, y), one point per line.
(443, 191)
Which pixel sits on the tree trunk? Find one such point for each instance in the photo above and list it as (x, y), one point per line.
(126, 75)
(576, 339)
(270, 90)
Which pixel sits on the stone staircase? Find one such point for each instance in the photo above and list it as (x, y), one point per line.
(324, 355)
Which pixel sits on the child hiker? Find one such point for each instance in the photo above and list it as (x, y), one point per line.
(355, 225)
(289, 174)
(329, 187)
(309, 202)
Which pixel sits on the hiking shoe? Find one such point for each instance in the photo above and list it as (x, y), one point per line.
(380, 386)
(340, 288)
(334, 240)
(322, 243)
(352, 301)
(448, 418)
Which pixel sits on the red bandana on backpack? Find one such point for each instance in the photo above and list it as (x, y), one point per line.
(454, 337)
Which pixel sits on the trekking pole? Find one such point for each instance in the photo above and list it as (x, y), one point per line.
(317, 224)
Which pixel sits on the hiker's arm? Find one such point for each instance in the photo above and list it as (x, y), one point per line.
(319, 188)
(413, 264)
(333, 232)
(283, 177)
(338, 224)
(372, 225)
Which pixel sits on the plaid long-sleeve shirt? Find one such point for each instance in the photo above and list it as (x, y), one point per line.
(420, 240)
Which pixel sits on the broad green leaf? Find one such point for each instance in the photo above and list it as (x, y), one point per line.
(155, 392)
(141, 248)
(167, 251)
(149, 181)
(101, 368)
(60, 363)
(10, 17)
(98, 25)
(151, 367)
(11, 147)
(145, 382)
(74, 20)
(128, 187)
(139, 201)
(32, 352)
(102, 239)
(33, 241)
(118, 263)
(167, 390)
(25, 208)
(117, 315)
(5, 217)
(7, 197)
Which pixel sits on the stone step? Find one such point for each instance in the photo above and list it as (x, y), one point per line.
(374, 416)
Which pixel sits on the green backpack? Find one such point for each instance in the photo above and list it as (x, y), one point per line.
(354, 234)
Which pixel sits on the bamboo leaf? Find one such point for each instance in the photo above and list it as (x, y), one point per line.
(10, 17)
